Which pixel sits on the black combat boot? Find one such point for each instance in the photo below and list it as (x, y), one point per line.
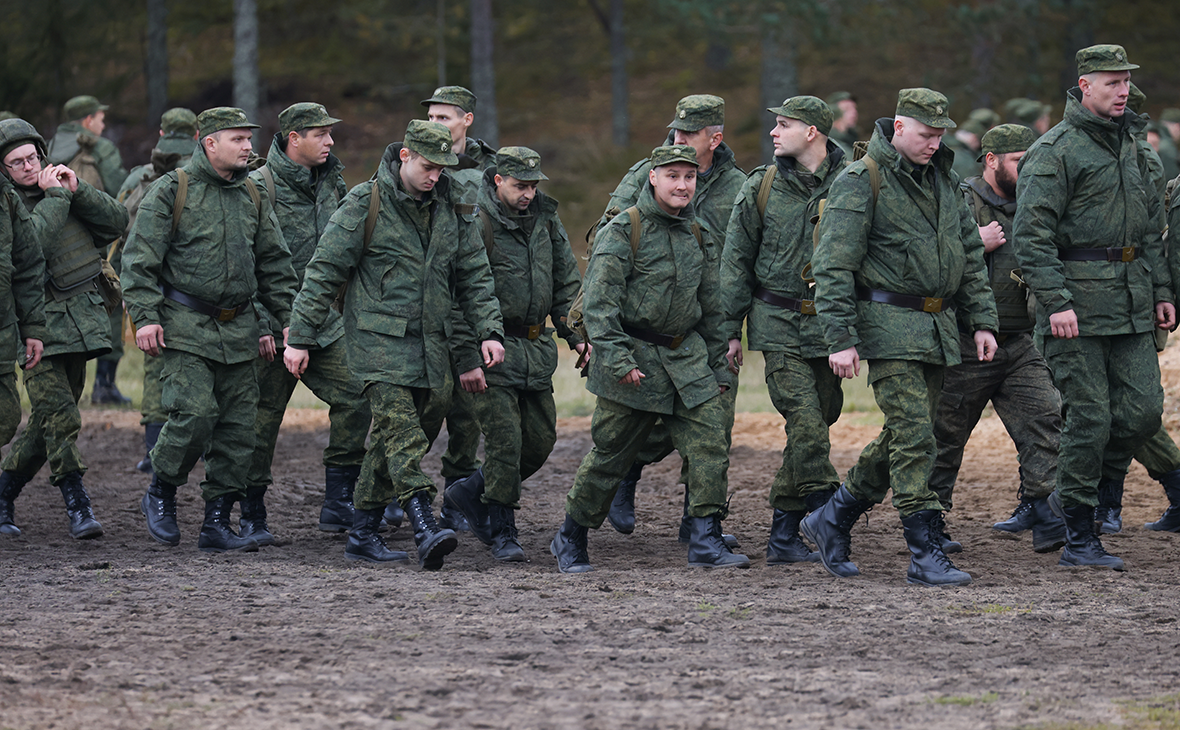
(365, 543)
(448, 517)
(1169, 521)
(1108, 516)
(105, 392)
(938, 524)
(830, 529)
(336, 512)
(929, 565)
(151, 434)
(685, 535)
(622, 507)
(433, 542)
(216, 537)
(464, 497)
(505, 543)
(707, 549)
(159, 507)
(253, 519)
(1048, 530)
(1023, 518)
(83, 526)
(785, 545)
(393, 518)
(1082, 545)
(570, 549)
(816, 500)
(10, 486)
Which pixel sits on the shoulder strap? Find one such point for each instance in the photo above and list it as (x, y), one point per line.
(764, 190)
(636, 226)
(486, 220)
(269, 178)
(371, 218)
(178, 202)
(874, 176)
(253, 190)
(980, 207)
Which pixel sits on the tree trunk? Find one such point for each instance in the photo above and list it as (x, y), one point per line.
(483, 73)
(780, 73)
(155, 64)
(246, 57)
(983, 55)
(620, 117)
(440, 40)
(1079, 34)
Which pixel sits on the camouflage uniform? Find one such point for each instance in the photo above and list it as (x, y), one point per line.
(71, 137)
(847, 138)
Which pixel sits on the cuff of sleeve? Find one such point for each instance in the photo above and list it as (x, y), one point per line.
(724, 377)
(1058, 302)
(625, 365)
(841, 339)
(467, 359)
(34, 332)
(1164, 294)
(59, 193)
(301, 336)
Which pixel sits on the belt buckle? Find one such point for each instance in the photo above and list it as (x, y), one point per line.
(676, 341)
(1128, 254)
(806, 306)
(932, 305)
(535, 331)
(225, 315)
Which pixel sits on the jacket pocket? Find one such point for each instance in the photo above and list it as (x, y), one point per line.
(381, 323)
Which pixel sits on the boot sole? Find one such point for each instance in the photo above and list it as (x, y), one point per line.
(365, 558)
(10, 530)
(621, 529)
(1119, 568)
(432, 559)
(736, 564)
(329, 527)
(780, 560)
(88, 534)
(810, 535)
(518, 558)
(251, 548)
(956, 584)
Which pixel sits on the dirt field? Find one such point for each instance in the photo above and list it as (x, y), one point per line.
(123, 633)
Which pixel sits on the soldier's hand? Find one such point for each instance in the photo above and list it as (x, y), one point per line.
(296, 360)
(734, 356)
(992, 235)
(1064, 324)
(266, 348)
(583, 349)
(1165, 315)
(33, 351)
(846, 363)
(68, 178)
(632, 378)
(985, 345)
(473, 381)
(48, 178)
(150, 339)
(493, 352)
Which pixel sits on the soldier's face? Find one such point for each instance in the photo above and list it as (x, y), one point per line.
(229, 150)
(848, 112)
(1004, 167)
(95, 122)
(1105, 92)
(23, 164)
(515, 194)
(674, 186)
(451, 117)
(790, 136)
(701, 141)
(915, 141)
(418, 174)
(312, 149)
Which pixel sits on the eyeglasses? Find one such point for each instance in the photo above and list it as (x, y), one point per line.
(31, 161)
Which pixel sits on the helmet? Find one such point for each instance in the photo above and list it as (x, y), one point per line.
(15, 131)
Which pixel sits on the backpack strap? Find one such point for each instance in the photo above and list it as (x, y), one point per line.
(181, 196)
(636, 226)
(874, 176)
(269, 178)
(764, 191)
(486, 220)
(371, 218)
(253, 190)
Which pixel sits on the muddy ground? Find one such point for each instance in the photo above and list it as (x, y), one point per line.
(121, 632)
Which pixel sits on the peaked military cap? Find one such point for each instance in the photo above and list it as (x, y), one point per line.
(81, 107)
(673, 153)
(1103, 57)
(834, 100)
(431, 140)
(521, 163)
(927, 106)
(303, 115)
(985, 116)
(695, 112)
(222, 117)
(974, 126)
(179, 120)
(1006, 138)
(457, 95)
(1170, 114)
(810, 110)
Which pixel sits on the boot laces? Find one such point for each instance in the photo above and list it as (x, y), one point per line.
(934, 548)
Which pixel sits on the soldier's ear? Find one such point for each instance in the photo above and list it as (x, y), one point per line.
(499, 180)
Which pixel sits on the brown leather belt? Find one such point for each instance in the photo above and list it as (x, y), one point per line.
(655, 338)
(932, 305)
(200, 305)
(803, 306)
(1128, 253)
(525, 331)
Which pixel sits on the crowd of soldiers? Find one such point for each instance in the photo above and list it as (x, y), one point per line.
(1018, 264)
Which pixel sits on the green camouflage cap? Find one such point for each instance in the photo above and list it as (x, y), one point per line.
(985, 116)
(810, 110)
(520, 163)
(1103, 57)
(431, 140)
(456, 95)
(1025, 111)
(1170, 114)
(695, 112)
(974, 126)
(81, 107)
(1006, 138)
(927, 106)
(1136, 98)
(303, 115)
(834, 100)
(180, 120)
(222, 117)
(669, 154)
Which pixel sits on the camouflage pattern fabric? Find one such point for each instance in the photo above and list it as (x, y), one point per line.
(405, 423)
(520, 428)
(808, 394)
(54, 387)
(461, 457)
(10, 412)
(1159, 455)
(151, 405)
(22, 282)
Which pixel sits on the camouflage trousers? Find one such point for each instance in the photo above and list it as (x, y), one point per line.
(619, 432)
(902, 456)
(1159, 455)
(1020, 387)
(1113, 400)
(151, 405)
(808, 394)
(54, 387)
(520, 429)
(9, 404)
(211, 410)
(328, 377)
(659, 446)
(460, 458)
(406, 421)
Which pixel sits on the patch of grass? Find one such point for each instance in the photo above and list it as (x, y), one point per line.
(705, 607)
(740, 613)
(1158, 713)
(966, 700)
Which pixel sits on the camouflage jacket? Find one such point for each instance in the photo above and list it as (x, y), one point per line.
(397, 312)
(172, 151)
(304, 203)
(225, 252)
(772, 252)
(1084, 185)
(536, 279)
(65, 145)
(22, 278)
(964, 165)
(671, 287)
(915, 239)
(1011, 297)
(844, 140)
(468, 175)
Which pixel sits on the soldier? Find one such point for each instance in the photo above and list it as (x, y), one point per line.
(178, 141)
(652, 311)
(401, 241)
(1087, 234)
(1029, 113)
(1017, 381)
(72, 221)
(206, 228)
(765, 281)
(1170, 136)
(845, 116)
(985, 117)
(536, 278)
(699, 123)
(898, 253)
(965, 143)
(22, 298)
